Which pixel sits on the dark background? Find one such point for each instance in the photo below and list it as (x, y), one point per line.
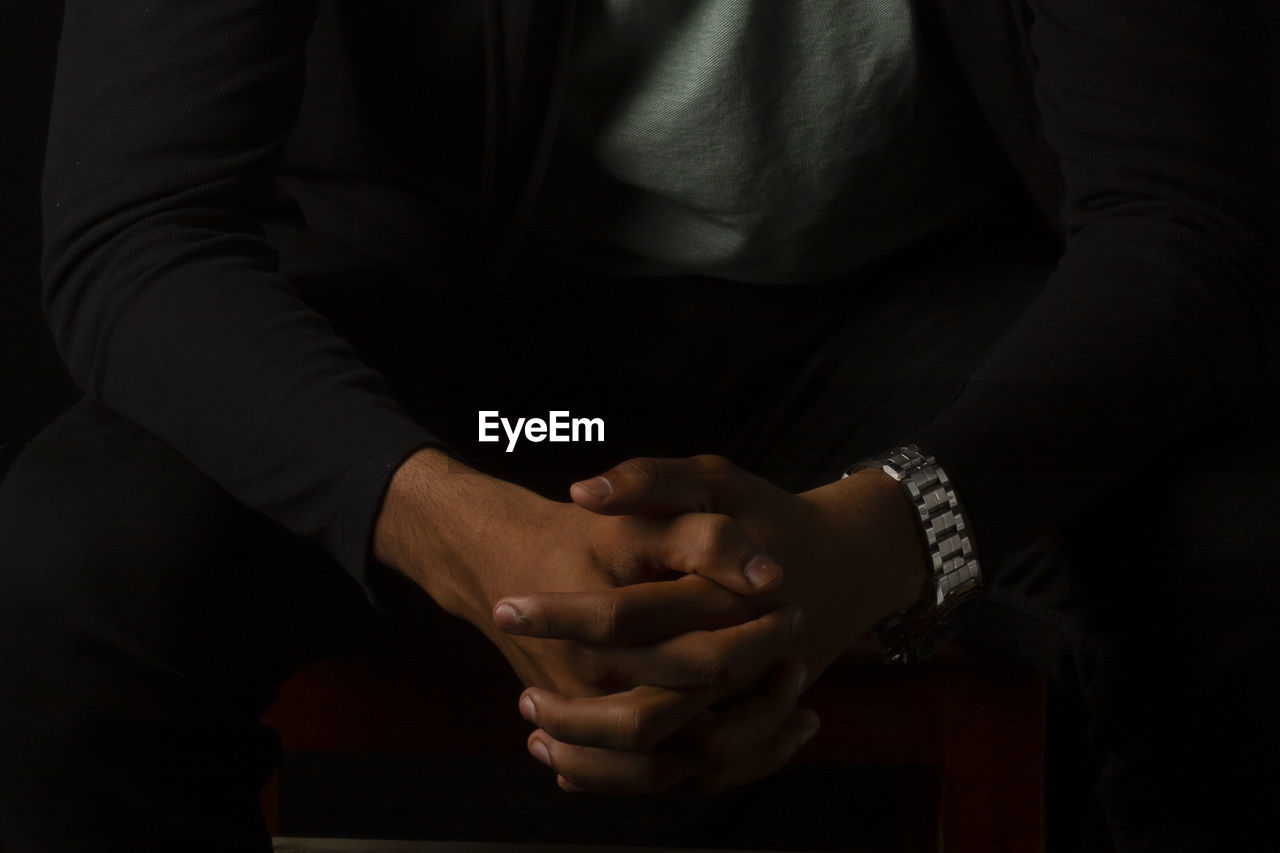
(34, 386)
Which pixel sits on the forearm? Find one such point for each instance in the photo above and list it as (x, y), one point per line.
(268, 402)
(1083, 392)
(164, 298)
(1164, 309)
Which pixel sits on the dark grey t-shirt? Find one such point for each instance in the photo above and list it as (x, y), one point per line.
(754, 140)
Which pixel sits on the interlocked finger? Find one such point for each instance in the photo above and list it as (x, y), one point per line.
(729, 659)
(647, 486)
(758, 736)
(637, 719)
(629, 615)
(609, 771)
(642, 548)
(716, 547)
(746, 742)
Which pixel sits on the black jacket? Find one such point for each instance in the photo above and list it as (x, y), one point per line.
(1144, 130)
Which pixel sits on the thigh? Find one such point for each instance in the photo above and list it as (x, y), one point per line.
(1181, 570)
(146, 619)
(894, 351)
(109, 525)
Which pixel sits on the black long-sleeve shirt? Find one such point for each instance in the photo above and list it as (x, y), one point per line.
(1147, 127)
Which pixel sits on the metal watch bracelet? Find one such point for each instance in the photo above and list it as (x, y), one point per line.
(955, 576)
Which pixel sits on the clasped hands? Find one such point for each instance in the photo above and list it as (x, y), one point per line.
(668, 618)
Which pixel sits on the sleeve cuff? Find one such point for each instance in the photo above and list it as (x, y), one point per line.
(385, 438)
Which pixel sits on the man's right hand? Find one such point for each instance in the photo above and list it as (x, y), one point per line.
(703, 625)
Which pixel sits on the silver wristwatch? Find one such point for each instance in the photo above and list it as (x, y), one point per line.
(954, 580)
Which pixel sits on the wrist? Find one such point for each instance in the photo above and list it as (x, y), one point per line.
(400, 528)
(878, 536)
(895, 516)
(443, 524)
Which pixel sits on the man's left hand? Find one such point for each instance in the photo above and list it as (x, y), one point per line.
(851, 555)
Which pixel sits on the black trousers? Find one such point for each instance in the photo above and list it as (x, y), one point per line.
(146, 618)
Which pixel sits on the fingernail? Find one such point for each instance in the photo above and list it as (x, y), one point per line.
(539, 751)
(761, 571)
(809, 727)
(527, 709)
(801, 674)
(566, 785)
(597, 486)
(507, 617)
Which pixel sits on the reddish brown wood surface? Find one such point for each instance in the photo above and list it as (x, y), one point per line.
(980, 722)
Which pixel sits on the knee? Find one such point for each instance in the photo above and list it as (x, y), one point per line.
(91, 492)
(104, 525)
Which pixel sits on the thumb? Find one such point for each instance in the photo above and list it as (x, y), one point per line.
(653, 487)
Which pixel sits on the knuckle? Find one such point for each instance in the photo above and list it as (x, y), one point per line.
(712, 463)
(723, 472)
(713, 669)
(627, 724)
(719, 533)
(647, 731)
(624, 564)
(644, 468)
(606, 619)
(714, 467)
